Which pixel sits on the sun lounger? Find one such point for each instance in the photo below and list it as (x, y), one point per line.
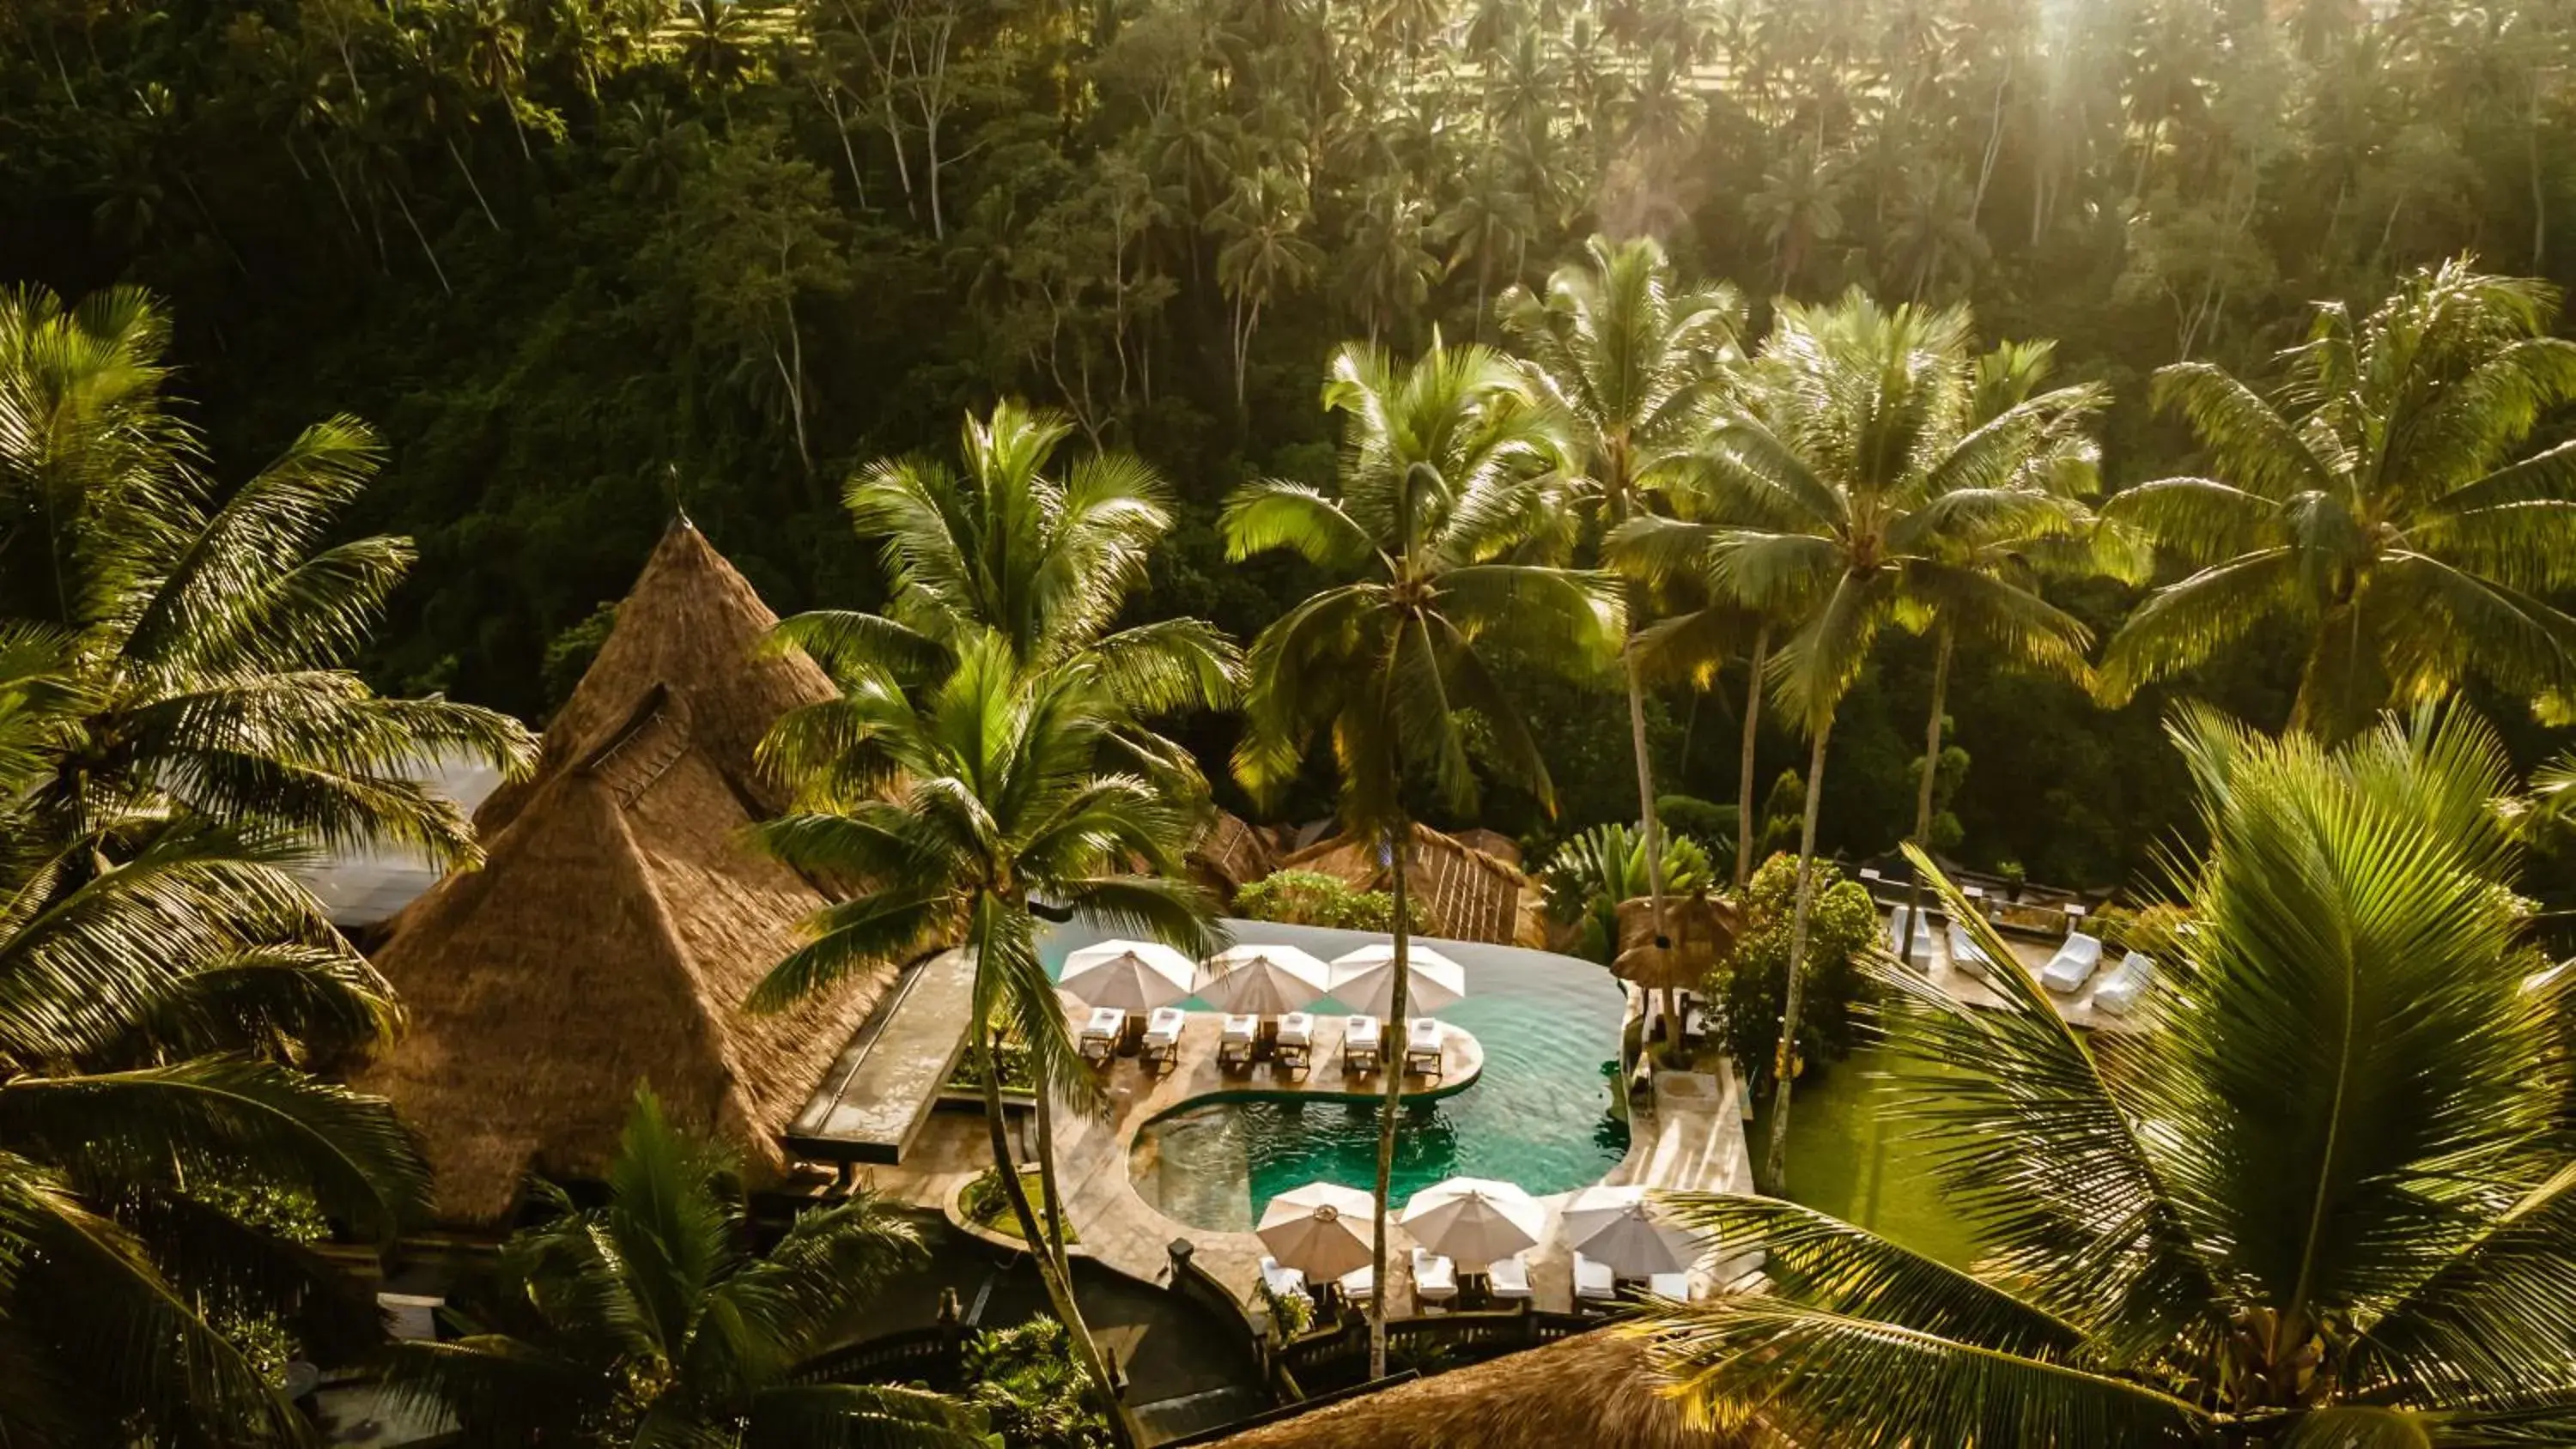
(1912, 946)
(1593, 1282)
(1675, 1286)
(2128, 981)
(1234, 1043)
(1283, 1282)
(2072, 966)
(1422, 1046)
(1508, 1278)
(1966, 956)
(1360, 1045)
(1695, 1025)
(1163, 1035)
(1100, 1033)
(1358, 1285)
(1296, 1041)
(1435, 1278)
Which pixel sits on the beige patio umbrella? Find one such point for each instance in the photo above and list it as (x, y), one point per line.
(1364, 980)
(1321, 1229)
(1264, 980)
(1614, 1226)
(1474, 1220)
(1132, 975)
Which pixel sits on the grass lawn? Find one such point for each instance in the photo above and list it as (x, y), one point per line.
(1848, 1157)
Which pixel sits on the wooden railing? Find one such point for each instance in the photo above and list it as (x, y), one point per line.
(930, 1356)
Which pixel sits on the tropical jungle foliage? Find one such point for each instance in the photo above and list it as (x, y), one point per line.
(1750, 990)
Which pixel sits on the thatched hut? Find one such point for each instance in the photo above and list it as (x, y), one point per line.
(618, 921)
(1466, 895)
(1591, 1391)
(1699, 932)
(1229, 855)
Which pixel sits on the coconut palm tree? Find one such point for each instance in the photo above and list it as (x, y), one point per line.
(157, 1130)
(1629, 362)
(648, 1320)
(1441, 500)
(1044, 563)
(2328, 1199)
(1856, 489)
(2382, 502)
(211, 634)
(964, 808)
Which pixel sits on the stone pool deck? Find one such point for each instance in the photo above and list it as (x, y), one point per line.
(1692, 1138)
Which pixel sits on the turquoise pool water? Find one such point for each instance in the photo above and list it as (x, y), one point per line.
(1539, 1116)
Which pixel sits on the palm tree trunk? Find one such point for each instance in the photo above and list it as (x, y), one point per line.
(1923, 788)
(1653, 831)
(1051, 1276)
(1775, 1155)
(1393, 1107)
(1049, 1196)
(1744, 806)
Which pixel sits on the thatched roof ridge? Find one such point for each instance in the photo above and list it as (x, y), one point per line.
(613, 931)
(1700, 932)
(1466, 894)
(690, 625)
(1591, 1391)
(1229, 855)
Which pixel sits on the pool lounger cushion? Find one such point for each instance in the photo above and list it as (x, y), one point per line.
(1297, 1029)
(1283, 1281)
(2072, 966)
(1100, 1033)
(1593, 1280)
(1509, 1277)
(1360, 1284)
(1435, 1278)
(2126, 982)
(1966, 956)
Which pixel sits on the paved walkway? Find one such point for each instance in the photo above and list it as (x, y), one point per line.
(2078, 1009)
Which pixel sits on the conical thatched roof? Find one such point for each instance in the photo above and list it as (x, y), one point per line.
(1466, 895)
(1700, 932)
(617, 922)
(691, 625)
(1590, 1391)
(1230, 855)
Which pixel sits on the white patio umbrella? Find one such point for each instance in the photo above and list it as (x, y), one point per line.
(1133, 975)
(1264, 980)
(1321, 1229)
(1474, 1220)
(1614, 1227)
(1364, 980)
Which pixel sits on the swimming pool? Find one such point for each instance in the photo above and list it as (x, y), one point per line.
(1540, 1116)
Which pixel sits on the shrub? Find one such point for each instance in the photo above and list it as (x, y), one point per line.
(1311, 898)
(1029, 1387)
(1841, 926)
(1711, 824)
(1592, 873)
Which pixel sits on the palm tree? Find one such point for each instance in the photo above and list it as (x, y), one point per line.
(1263, 255)
(1592, 872)
(648, 1320)
(2381, 502)
(1629, 363)
(1042, 563)
(157, 1133)
(1440, 503)
(2326, 1200)
(1856, 489)
(964, 809)
(1046, 565)
(210, 638)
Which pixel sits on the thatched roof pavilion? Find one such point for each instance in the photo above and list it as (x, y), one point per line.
(618, 921)
(1466, 895)
(1591, 1391)
(1229, 855)
(1700, 931)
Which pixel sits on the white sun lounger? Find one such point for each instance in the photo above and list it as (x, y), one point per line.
(2072, 966)
(1593, 1282)
(1296, 1043)
(2120, 990)
(1360, 1045)
(1966, 956)
(1911, 946)
(1422, 1046)
(1360, 1284)
(1435, 1278)
(1100, 1033)
(1163, 1035)
(1283, 1281)
(1509, 1277)
(1675, 1286)
(1234, 1042)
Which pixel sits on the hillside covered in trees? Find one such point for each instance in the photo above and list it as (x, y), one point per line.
(583, 261)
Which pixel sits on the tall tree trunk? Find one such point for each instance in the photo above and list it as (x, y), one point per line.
(1049, 1195)
(1775, 1156)
(1923, 788)
(1744, 806)
(423, 238)
(1390, 1047)
(1051, 1274)
(1653, 829)
(470, 183)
